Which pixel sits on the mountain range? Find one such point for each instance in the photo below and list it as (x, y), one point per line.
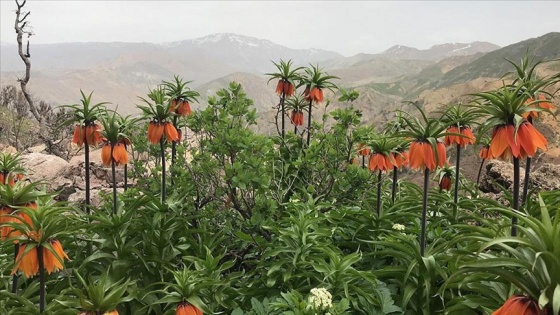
(120, 72)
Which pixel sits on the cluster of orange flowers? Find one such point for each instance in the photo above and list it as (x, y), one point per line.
(297, 117)
(26, 260)
(88, 135)
(156, 130)
(466, 132)
(10, 179)
(315, 95)
(180, 107)
(421, 155)
(506, 143)
(285, 87)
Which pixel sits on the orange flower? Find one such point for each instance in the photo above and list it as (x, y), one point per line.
(363, 150)
(400, 159)
(288, 89)
(52, 263)
(505, 143)
(421, 155)
(280, 87)
(546, 104)
(445, 183)
(462, 141)
(27, 263)
(300, 118)
(170, 132)
(78, 137)
(106, 154)
(381, 162)
(315, 95)
(155, 132)
(120, 156)
(519, 305)
(113, 312)
(484, 152)
(186, 308)
(92, 135)
(181, 107)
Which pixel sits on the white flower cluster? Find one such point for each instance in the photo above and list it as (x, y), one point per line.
(320, 299)
(398, 227)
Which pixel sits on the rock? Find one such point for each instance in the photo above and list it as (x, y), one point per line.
(498, 173)
(44, 167)
(551, 156)
(9, 149)
(37, 149)
(546, 177)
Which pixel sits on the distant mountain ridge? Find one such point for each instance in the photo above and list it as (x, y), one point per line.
(438, 52)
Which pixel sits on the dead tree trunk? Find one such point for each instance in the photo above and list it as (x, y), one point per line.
(21, 26)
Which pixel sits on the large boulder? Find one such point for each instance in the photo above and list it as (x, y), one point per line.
(499, 176)
(51, 170)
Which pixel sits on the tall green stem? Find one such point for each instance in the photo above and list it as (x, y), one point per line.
(162, 148)
(479, 172)
(515, 195)
(113, 173)
(87, 178)
(309, 123)
(42, 289)
(15, 276)
(394, 186)
(282, 100)
(457, 175)
(526, 181)
(424, 210)
(125, 176)
(174, 143)
(379, 187)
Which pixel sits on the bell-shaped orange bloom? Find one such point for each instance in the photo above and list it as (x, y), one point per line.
(468, 137)
(106, 154)
(288, 88)
(400, 159)
(78, 137)
(92, 135)
(505, 144)
(315, 95)
(363, 150)
(120, 156)
(113, 312)
(181, 107)
(520, 305)
(170, 132)
(484, 152)
(155, 132)
(380, 162)
(421, 155)
(280, 87)
(445, 183)
(51, 262)
(27, 263)
(545, 104)
(187, 309)
(300, 118)
(4, 218)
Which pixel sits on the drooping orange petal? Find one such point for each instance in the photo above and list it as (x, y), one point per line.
(441, 154)
(536, 137)
(122, 155)
(429, 157)
(78, 137)
(468, 137)
(156, 132)
(106, 154)
(170, 132)
(499, 142)
(416, 158)
(27, 263)
(184, 109)
(513, 144)
(279, 87)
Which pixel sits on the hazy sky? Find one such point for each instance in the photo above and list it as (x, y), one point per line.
(348, 27)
